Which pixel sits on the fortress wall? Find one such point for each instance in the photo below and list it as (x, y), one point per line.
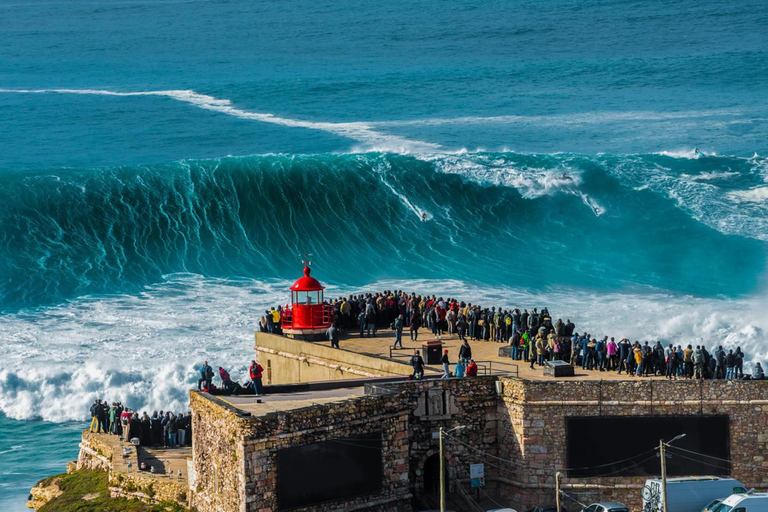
(290, 361)
(532, 429)
(311, 425)
(218, 482)
(525, 425)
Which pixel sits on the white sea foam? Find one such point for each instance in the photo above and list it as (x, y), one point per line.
(753, 195)
(709, 176)
(531, 182)
(144, 349)
(690, 154)
(358, 131)
(576, 118)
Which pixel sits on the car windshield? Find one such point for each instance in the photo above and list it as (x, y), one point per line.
(722, 507)
(711, 506)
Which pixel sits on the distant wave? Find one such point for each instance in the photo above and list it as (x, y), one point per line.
(358, 131)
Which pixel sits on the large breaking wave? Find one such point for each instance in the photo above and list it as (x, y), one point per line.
(690, 225)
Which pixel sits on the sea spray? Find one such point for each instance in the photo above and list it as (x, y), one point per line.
(144, 349)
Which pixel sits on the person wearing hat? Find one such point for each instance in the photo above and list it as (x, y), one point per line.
(256, 371)
(446, 365)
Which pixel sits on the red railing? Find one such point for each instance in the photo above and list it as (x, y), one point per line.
(307, 317)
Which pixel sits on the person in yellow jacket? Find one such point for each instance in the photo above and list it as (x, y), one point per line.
(275, 317)
(346, 313)
(638, 361)
(540, 349)
(551, 345)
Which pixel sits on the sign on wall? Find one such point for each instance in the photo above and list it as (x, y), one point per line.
(477, 475)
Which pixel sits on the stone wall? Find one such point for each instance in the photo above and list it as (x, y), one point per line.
(94, 453)
(290, 361)
(217, 482)
(407, 417)
(274, 432)
(532, 429)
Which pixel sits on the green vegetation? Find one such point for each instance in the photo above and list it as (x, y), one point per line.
(87, 491)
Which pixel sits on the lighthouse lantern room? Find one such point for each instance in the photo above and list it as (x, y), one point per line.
(308, 316)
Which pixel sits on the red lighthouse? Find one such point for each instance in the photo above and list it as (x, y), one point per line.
(308, 316)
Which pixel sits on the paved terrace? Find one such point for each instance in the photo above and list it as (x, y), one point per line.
(275, 402)
(485, 354)
(165, 460)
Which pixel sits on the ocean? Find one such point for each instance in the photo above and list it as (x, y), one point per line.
(165, 164)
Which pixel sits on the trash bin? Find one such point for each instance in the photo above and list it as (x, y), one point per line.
(432, 351)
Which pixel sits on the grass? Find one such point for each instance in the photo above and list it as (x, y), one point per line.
(77, 484)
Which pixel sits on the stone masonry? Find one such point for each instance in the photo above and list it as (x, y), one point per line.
(515, 426)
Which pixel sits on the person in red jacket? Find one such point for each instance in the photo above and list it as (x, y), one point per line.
(472, 369)
(256, 371)
(226, 382)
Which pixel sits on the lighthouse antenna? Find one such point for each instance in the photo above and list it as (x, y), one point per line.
(306, 259)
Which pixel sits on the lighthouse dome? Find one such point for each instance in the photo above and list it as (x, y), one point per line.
(307, 283)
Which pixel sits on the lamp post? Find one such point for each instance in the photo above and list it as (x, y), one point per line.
(662, 444)
(442, 466)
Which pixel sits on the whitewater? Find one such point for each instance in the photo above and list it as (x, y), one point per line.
(144, 349)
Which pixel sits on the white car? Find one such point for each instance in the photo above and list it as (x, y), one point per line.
(607, 506)
(754, 502)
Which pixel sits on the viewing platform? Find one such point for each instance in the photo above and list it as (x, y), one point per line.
(391, 362)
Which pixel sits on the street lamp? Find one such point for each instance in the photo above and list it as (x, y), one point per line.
(662, 444)
(442, 467)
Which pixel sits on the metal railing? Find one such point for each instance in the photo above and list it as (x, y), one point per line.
(483, 367)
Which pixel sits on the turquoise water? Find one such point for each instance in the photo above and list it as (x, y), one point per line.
(32, 449)
(163, 164)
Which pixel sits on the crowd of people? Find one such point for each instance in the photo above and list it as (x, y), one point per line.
(534, 337)
(162, 429)
(252, 387)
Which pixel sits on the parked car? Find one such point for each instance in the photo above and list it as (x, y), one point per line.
(549, 508)
(606, 506)
(754, 502)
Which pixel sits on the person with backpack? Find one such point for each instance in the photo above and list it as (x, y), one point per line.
(206, 375)
(417, 362)
(739, 368)
(255, 372)
(226, 381)
(719, 363)
(95, 425)
(397, 325)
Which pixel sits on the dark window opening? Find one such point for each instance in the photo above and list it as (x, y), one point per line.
(628, 445)
(330, 470)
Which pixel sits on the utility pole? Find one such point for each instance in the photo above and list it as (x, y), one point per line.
(442, 464)
(442, 474)
(557, 490)
(663, 456)
(663, 474)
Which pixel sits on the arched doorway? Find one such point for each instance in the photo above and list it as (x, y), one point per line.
(432, 475)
